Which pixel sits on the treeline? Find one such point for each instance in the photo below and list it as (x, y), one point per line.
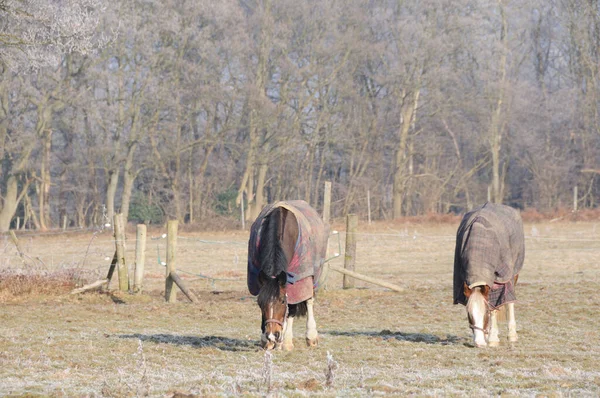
(198, 106)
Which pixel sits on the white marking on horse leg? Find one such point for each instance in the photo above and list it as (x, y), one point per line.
(493, 340)
(288, 334)
(512, 323)
(479, 338)
(312, 336)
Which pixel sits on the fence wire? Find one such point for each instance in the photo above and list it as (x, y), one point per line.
(224, 260)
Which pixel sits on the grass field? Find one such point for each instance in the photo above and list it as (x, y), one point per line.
(379, 342)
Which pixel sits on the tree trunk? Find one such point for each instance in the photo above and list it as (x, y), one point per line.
(129, 176)
(257, 162)
(407, 116)
(496, 125)
(191, 191)
(10, 203)
(259, 202)
(128, 180)
(111, 190)
(46, 179)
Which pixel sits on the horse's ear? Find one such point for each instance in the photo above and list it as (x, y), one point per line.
(261, 278)
(485, 290)
(466, 290)
(282, 278)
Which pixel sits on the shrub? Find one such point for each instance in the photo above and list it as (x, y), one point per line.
(143, 210)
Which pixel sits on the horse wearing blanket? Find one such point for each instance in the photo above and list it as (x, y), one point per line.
(489, 255)
(286, 250)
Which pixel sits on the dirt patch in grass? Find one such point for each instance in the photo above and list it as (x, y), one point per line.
(383, 343)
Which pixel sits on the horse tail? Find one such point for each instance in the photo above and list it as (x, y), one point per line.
(299, 309)
(272, 258)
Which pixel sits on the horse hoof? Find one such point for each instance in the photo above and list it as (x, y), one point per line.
(494, 343)
(513, 339)
(287, 347)
(312, 342)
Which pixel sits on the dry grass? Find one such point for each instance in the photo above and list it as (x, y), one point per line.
(373, 342)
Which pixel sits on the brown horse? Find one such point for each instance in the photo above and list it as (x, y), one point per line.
(489, 254)
(287, 246)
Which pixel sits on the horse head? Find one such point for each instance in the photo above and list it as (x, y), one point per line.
(272, 300)
(478, 312)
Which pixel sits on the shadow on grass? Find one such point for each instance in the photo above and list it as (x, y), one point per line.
(412, 337)
(218, 342)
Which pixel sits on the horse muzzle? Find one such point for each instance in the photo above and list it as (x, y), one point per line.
(272, 339)
(269, 341)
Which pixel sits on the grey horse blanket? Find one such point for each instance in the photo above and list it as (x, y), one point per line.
(304, 268)
(490, 250)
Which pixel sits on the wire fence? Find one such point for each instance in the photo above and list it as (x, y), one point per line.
(223, 258)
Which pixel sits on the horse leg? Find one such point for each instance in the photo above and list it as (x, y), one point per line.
(493, 340)
(288, 335)
(312, 337)
(512, 323)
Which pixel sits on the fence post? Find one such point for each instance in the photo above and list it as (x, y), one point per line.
(140, 258)
(327, 202)
(575, 198)
(170, 292)
(350, 253)
(111, 270)
(120, 243)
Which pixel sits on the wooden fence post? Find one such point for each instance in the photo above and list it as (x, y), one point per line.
(327, 202)
(575, 198)
(179, 282)
(326, 214)
(122, 270)
(140, 258)
(170, 292)
(350, 253)
(111, 270)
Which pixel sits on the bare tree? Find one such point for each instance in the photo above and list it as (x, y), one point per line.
(36, 33)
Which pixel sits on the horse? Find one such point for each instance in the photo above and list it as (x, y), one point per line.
(286, 251)
(488, 257)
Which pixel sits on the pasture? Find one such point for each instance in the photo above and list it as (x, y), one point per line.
(379, 342)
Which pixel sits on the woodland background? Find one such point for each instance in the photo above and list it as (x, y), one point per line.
(178, 109)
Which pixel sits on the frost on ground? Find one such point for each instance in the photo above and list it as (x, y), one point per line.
(372, 341)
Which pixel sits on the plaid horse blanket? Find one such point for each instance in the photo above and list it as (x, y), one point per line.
(490, 250)
(305, 266)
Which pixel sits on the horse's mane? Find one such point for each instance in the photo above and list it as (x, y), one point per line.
(268, 291)
(271, 256)
(476, 298)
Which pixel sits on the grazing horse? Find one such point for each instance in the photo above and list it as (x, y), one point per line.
(286, 250)
(489, 255)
